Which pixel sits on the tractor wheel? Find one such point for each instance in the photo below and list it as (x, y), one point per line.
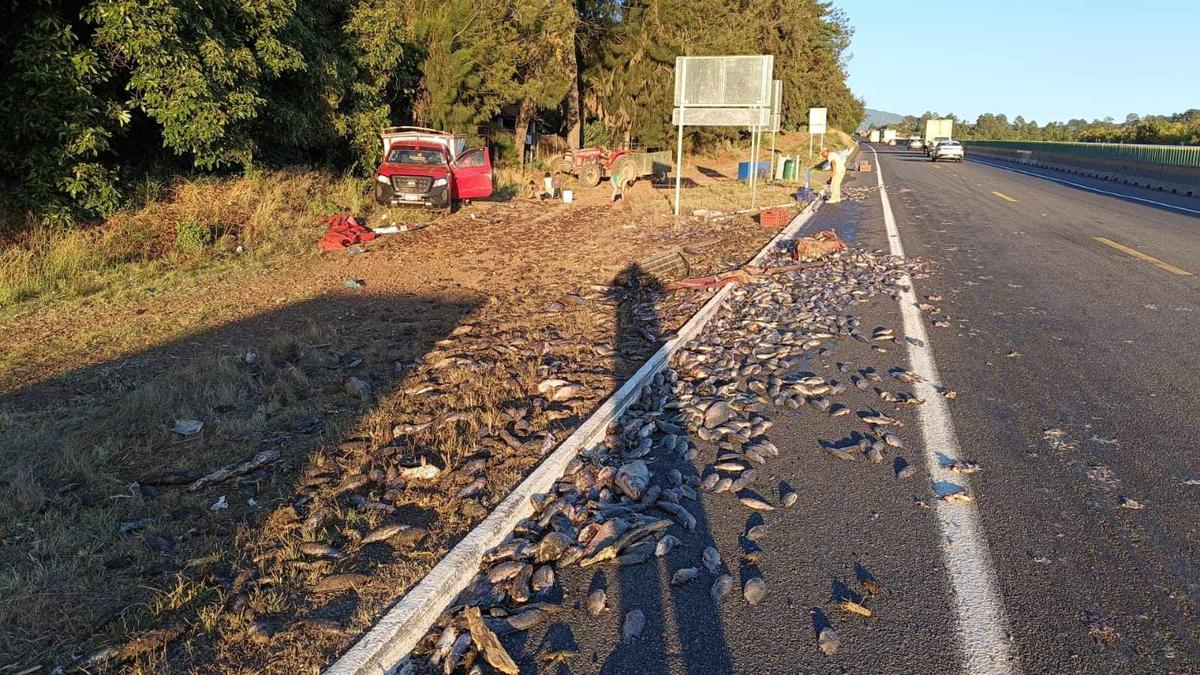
(590, 175)
(559, 165)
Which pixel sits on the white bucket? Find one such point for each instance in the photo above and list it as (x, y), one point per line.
(568, 196)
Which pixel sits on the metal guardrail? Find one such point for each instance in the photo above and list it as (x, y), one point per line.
(1166, 155)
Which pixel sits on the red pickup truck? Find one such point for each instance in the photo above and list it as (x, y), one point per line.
(430, 168)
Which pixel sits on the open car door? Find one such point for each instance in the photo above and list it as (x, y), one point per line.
(473, 174)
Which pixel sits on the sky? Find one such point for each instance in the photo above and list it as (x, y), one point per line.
(1048, 61)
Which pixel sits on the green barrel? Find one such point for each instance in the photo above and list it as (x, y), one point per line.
(789, 169)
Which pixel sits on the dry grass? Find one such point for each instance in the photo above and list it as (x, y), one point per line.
(71, 580)
(257, 217)
(68, 573)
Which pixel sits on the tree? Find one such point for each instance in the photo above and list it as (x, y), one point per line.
(544, 68)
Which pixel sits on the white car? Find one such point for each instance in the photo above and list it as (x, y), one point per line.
(932, 143)
(947, 150)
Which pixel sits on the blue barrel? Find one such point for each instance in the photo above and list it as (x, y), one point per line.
(744, 170)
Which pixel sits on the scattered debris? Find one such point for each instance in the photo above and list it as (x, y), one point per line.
(187, 427)
(233, 470)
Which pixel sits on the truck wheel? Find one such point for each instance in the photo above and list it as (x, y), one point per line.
(590, 175)
(627, 168)
(380, 199)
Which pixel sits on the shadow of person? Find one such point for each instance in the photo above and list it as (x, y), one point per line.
(298, 384)
(683, 629)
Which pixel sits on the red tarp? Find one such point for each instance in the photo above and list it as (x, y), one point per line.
(344, 232)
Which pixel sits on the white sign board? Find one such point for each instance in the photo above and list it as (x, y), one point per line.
(721, 117)
(816, 120)
(723, 81)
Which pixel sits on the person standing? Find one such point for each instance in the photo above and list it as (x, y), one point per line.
(617, 181)
(837, 163)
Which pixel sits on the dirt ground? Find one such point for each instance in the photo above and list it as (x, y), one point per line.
(402, 387)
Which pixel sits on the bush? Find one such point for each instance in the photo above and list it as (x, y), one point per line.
(192, 237)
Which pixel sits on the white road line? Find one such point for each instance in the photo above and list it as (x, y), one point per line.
(982, 626)
(1086, 187)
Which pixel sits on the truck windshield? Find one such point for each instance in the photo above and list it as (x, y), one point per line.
(419, 156)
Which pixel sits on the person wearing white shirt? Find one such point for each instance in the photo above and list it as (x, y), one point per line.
(837, 162)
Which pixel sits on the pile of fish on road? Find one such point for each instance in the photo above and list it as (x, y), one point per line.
(612, 508)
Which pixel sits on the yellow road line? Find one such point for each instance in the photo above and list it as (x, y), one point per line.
(1142, 256)
(1001, 195)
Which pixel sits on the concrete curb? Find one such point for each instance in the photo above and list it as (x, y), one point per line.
(388, 643)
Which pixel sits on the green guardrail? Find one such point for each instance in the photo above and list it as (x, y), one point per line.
(1166, 155)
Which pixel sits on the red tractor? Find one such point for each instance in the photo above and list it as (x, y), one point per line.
(589, 165)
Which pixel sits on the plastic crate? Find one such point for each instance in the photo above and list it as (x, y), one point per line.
(775, 217)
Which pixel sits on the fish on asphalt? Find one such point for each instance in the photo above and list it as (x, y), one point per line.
(827, 640)
(721, 588)
(755, 503)
(754, 590)
(712, 560)
(597, 601)
(635, 622)
(684, 575)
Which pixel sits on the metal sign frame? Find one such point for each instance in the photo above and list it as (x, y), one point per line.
(818, 119)
(712, 98)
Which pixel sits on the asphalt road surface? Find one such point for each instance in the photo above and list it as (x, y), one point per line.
(1074, 326)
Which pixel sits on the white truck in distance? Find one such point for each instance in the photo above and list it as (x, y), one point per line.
(936, 130)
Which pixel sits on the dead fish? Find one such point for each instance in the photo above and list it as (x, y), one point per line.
(635, 621)
(556, 658)
(828, 641)
(754, 590)
(962, 467)
(730, 466)
(958, 498)
(1130, 503)
(873, 455)
(489, 644)
(755, 503)
(789, 499)
(665, 545)
(712, 560)
(336, 583)
(879, 419)
(505, 571)
(318, 550)
(684, 575)
(907, 471)
(838, 453)
(457, 651)
(423, 471)
(552, 546)
(721, 588)
(543, 578)
(854, 608)
(892, 440)
(383, 533)
(874, 588)
(444, 644)
(407, 429)
(550, 385)
(757, 533)
(596, 602)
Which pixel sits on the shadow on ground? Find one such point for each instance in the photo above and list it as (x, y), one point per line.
(103, 537)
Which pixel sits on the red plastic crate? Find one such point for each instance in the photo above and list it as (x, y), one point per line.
(775, 217)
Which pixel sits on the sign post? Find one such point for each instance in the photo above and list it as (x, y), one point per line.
(816, 125)
(681, 82)
(726, 91)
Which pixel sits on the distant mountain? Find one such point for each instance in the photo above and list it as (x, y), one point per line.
(879, 118)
